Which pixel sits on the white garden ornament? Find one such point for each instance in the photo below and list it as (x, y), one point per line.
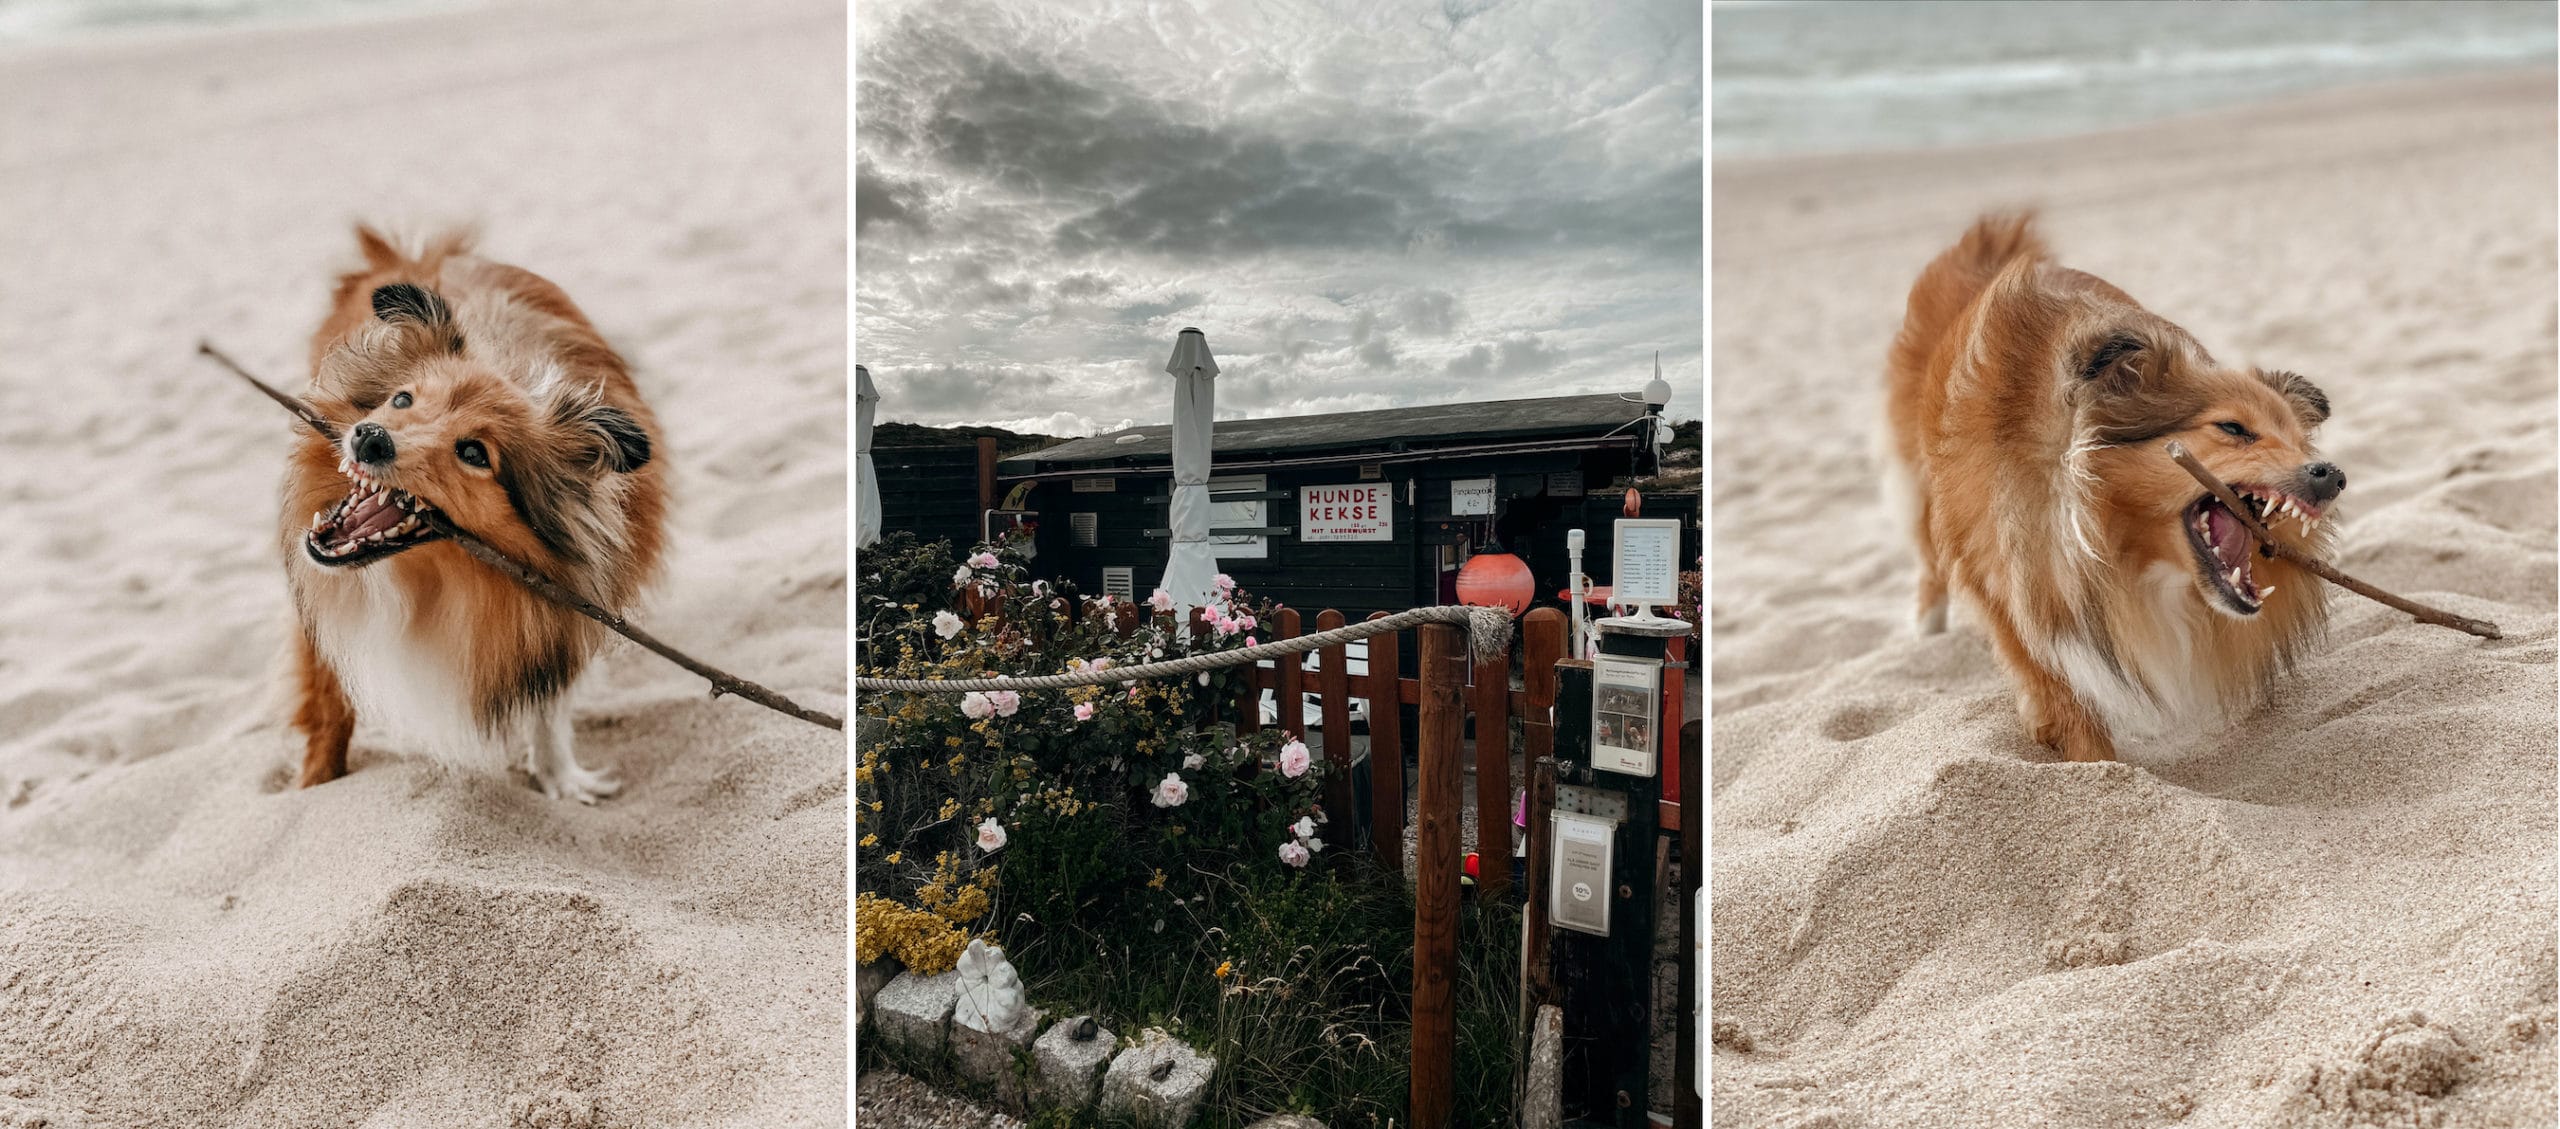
(990, 991)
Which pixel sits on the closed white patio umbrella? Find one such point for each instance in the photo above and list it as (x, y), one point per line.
(1191, 569)
(866, 501)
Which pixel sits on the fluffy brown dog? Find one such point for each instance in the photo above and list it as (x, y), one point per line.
(2027, 405)
(477, 390)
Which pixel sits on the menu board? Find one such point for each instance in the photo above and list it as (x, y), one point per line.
(1646, 561)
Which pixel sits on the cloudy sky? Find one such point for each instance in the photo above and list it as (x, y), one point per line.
(1363, 205)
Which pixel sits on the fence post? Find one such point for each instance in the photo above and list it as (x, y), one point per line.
(1435, 905)
(1693, 839)
(1493, 777)
(986, 480)
(1537, 972)
(1333, 695)
(1386, 750)
(1291, 708)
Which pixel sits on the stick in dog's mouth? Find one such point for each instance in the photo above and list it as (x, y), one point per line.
(2226, 552)
(371, 523)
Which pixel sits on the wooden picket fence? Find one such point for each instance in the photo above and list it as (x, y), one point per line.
(1450, 687)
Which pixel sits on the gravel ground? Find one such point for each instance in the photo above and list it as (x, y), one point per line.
(886, 1099)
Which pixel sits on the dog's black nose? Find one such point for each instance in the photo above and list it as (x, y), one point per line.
(373, 444)
(2325, 481)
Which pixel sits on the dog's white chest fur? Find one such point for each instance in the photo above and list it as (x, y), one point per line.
(410, 689)
(2158, 685)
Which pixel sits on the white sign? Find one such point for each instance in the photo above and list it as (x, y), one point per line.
(1647, 562)
(1471, 497)
(1362, 511)
(1578, 883)
(1626, 701)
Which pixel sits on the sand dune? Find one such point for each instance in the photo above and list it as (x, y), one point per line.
(2340, 911)
(183, 940)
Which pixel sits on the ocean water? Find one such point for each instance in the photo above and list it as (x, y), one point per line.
(1809, 77)
(37, 21)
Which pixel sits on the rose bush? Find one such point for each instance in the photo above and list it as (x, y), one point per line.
(1081, 803)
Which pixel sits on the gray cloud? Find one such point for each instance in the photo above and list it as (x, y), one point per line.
(1360, 209)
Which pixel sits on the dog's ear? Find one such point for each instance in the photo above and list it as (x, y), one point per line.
(2125, 391)
(2122, 361)
(626, 443)
(407, 304)
(2309, 402)
(611, 437)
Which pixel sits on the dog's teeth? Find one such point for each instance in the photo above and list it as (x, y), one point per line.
(2265, 592)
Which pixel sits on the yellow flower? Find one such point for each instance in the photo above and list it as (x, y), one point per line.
(871, 840)
(1224, 967)
(894, 856)
(1157, 882)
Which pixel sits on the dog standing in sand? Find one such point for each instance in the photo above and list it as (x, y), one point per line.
(2027, 406)
(476, 390)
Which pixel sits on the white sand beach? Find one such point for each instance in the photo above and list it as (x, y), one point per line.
(185, 940)
(2340, 911)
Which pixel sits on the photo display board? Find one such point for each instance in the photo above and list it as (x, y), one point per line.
(1626, 713)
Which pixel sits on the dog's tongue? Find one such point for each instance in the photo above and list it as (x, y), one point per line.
(2230, 540)
(370, 516)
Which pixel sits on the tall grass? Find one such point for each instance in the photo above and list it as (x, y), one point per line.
(1314, 1012)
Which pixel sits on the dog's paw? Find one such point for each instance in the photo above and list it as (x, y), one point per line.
(573, 781)
(1930, 620)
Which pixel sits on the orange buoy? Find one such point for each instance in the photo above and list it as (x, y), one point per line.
(1497, 580)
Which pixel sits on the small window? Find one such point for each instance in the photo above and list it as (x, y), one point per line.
(1239, 515)
(1086, 530)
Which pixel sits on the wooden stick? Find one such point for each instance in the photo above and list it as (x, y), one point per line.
(2315, 565)
(722, 682)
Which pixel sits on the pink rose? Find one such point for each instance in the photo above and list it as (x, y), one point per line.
(1294, 759)
(1293, 854)
(990, 834)
(1084, 711)
(1005, 702)
(1171, 791)
(1162, 601)
(977, 706)
(983, 560)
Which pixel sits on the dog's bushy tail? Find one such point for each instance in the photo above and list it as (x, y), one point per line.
(1955, 278)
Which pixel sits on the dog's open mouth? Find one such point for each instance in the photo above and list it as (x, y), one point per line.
(372, 522)
(2227, 553)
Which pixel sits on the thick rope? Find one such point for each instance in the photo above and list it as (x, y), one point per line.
(1488, 630)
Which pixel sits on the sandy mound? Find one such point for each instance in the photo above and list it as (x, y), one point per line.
(183, 940)
(2338, 912)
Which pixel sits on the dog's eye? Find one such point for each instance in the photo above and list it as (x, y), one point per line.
(400, 401)
(472, 453)
(2234, 430)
